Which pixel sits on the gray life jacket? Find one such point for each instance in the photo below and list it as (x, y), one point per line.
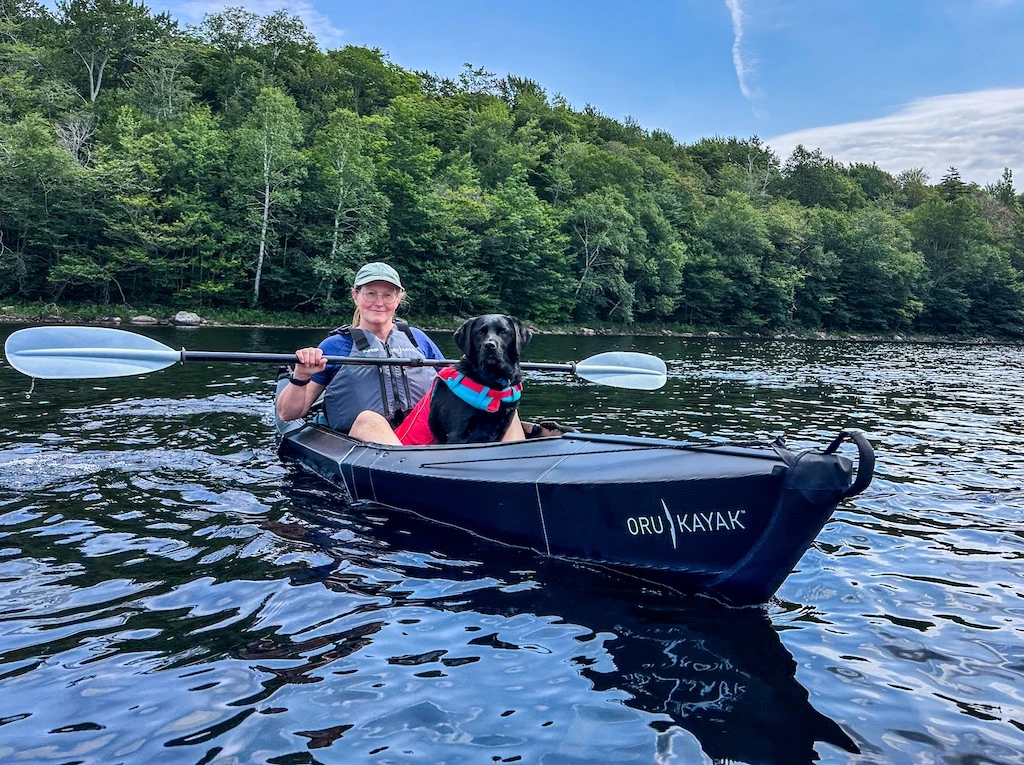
(388, 390)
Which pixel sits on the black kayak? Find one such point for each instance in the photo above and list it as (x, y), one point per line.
(725, 521)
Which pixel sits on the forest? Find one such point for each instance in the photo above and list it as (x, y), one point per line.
(237, 164)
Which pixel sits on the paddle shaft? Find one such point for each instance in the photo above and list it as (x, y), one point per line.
(96, 352)
(289, 358)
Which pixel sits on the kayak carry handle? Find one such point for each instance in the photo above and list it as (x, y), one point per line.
(865, 459)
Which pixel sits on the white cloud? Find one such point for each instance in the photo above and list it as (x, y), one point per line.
(978, 133)
(193, 11)
(743, 66)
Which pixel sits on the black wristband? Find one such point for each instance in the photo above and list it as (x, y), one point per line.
(300, 383)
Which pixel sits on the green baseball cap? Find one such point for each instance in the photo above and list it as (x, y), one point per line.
(377, 271)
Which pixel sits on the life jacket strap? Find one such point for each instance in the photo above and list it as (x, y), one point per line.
(362, 342)
(476, 395)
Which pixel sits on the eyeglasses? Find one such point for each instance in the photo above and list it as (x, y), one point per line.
(372, 296)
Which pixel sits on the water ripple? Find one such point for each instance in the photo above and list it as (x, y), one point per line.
(169, 592)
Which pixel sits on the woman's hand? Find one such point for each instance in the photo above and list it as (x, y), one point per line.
(310, 361)
(293, 401)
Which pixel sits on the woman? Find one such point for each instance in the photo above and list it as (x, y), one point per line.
(367, 400)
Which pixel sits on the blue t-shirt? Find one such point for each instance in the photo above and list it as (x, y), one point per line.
(341, 345)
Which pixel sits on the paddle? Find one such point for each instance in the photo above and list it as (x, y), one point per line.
(64, 353)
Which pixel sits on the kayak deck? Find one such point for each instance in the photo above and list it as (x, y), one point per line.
(728, 521)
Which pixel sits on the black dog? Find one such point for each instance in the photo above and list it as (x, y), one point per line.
(491, 346)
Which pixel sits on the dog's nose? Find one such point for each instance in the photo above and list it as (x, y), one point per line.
(490, 344)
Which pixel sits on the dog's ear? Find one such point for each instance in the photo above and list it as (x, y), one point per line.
(523, 333)
(462, 335)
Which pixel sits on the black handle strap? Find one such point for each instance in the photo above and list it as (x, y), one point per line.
(865, 459)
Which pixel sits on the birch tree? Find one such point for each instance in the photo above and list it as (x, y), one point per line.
(349, 192)
(271, 166)
(601, 232)
(161, 86)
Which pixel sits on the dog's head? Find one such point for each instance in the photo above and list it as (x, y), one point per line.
(492, 345)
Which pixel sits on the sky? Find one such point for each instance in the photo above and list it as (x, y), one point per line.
(905, 84)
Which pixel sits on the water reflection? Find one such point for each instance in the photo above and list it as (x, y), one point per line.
(721, 674)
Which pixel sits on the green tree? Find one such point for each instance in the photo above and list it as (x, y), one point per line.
(1004, 192)
(953, 236)
(815, 180)
(369, 80)
(733, 164)
(731, 268)
(270, 168)
(600, 231)
(243, 161)
(524, 252)
(346, 182)
(880, 272)
(497, 147)
(41, 196)
(107, 33)
(406, 164)
(952, 186)
(609, 165)
(135, 233)
(997, 295)
(873, 181)
(161, 87)
(206, 265)
(279, 41)
(817, 303)
(246, 52)
(27, 83)
(782, 272)
(913, 188)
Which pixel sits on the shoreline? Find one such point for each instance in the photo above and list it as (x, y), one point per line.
(434, 326)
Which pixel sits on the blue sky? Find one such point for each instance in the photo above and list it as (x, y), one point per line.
(904, 83)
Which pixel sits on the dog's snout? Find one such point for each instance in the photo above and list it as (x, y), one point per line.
(490, 343)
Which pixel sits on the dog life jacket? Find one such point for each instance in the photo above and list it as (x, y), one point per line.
(415, 429)
(389, 390)
(476, 395)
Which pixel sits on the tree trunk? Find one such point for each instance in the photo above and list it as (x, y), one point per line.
(589, 258)
(263, 227)
(95, 69)
(337, 226)
(339, 166)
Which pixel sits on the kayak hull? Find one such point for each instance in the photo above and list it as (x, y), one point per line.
(729, 522)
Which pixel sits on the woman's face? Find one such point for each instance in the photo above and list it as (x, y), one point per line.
(377, 301)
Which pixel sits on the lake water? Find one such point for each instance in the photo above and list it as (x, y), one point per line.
(170, 592)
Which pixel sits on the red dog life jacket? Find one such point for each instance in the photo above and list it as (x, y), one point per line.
(415, 428)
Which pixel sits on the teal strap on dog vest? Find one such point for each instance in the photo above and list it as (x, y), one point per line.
(476, 395)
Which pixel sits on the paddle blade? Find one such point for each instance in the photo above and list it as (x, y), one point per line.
(624, 369)
(65, 353)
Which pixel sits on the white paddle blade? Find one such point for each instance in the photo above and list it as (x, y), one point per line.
(66, 353)
(624, 369)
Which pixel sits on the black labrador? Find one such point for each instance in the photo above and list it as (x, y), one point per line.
(491, 346)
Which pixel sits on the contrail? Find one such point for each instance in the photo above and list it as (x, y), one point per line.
(736, 11)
